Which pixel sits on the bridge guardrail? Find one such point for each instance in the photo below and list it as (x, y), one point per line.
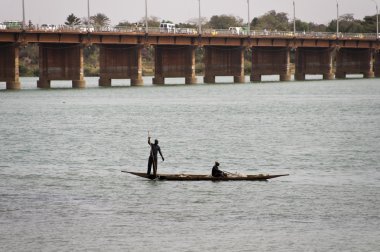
(205, 32)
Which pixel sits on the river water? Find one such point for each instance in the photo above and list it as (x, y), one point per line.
(62, 152)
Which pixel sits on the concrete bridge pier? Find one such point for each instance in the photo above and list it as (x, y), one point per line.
(376, 65)
(270, 61)
(120, 62)
(224, 61)
(174, 61)
(9, 65)
(354, 61)
(314, 61)
(61, 62)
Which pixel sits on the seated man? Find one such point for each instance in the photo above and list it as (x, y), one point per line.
(216, 172)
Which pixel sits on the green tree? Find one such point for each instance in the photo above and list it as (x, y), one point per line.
(271, 21)
(126, 24)
(312, 27)
(72, 20)
(347, 24)
(369, 24)
(100, 20)
(91, 60)
(225, 21)
(300, 26)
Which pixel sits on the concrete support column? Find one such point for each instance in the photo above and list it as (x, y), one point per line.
(328, 76)
(224, 61)
(9, 65)
(240, 77)
(190, 77)
(270, 61)
(255, 77)
(136, 79)
(61, 62)
(158, 80)
(354, 61)
(120, 62)
(104, 82)
(340, 75)
(300, 76)
(174, 61)
(376, 65)
(209, 79)
(313, 60)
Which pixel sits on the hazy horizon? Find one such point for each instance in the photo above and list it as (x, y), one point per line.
(56, 12)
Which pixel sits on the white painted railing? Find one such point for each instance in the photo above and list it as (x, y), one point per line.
(205, 32)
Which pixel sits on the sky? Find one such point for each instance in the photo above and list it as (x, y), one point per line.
(56, 11)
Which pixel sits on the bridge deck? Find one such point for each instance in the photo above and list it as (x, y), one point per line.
(223, 39)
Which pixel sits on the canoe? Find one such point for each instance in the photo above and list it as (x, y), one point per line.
(195, 177)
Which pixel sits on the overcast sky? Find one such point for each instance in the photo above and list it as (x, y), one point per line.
(56, 11)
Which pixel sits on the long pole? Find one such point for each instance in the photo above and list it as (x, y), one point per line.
(199, 18)
(152, 155)
(23, 15)
(88, 14)
(249, 21)
(146, 16)
(377, 19)
(294, 18)
(337, 19)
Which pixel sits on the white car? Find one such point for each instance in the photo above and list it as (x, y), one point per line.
(86, 29)
(167, 27)
(48, 27)
(3, 26)
(236, 30)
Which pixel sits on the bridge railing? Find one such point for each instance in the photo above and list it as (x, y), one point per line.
(205, 32)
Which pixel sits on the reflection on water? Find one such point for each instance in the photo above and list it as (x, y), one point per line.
(63, 149)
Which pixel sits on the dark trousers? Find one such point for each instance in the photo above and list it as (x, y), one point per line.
(151, 162)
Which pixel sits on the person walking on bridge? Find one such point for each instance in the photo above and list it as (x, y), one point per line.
(154, 148)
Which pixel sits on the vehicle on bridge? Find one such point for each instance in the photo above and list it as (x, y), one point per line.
(48, 27)
(238, 30)
(167, 27)
(186, 30)
(13, 24)
(3, 26)
(87, 28)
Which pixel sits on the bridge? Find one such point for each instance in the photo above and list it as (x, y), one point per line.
(61, 54)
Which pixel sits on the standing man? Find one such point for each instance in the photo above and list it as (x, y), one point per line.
(154, 148)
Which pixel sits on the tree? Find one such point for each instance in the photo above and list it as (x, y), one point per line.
(187, 25)
(125, 24)
(369, 24)
(166, 21)
(195, 21)
(72, 20)
(312, 27)
(225, 21)
(100, 20)
(300, 26)
(347, 24)
(271, 21)
(152, 21)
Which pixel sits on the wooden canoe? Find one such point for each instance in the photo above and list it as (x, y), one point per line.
(194, 177)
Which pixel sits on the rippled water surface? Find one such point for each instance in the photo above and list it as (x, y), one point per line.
(62, 151)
